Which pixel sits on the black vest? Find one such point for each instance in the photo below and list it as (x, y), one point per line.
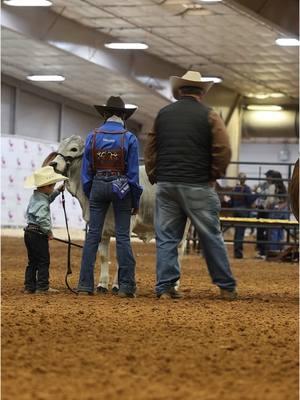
(184, 141)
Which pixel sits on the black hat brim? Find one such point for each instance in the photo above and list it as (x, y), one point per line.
(102, 110)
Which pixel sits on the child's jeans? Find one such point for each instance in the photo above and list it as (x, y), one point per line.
(37, 270)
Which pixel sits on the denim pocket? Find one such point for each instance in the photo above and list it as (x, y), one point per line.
(203, 198)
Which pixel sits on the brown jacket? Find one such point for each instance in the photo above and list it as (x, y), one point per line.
(221, 149)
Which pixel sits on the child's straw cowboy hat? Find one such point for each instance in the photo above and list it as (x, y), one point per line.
(191, 78)
(43, 177)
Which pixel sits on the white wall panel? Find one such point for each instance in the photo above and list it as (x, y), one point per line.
(266, 152)
(7, 108)
(77, 123)
(20, 157)
(37, 117)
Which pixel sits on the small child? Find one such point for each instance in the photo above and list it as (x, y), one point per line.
(38, 231)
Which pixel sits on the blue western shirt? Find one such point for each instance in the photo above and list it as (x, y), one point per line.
(107, 141)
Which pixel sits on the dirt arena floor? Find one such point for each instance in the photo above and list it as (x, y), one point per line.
(65, 347)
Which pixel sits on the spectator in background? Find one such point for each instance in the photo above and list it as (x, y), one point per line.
(241, 202)
(278, 210)
(263, 203)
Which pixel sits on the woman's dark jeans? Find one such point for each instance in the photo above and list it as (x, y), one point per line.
(100, 199)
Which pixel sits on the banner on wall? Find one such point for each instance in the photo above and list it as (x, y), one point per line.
(20, 157)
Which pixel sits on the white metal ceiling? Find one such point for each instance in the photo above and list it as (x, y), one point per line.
(87, 82)
(219, 39)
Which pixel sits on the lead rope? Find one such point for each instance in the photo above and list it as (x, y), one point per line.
(69, 269)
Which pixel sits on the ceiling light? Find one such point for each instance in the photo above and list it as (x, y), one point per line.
(214, 79)
(277, 95)
(46, 78)
(28, 3)
(261, 95)
(256, 107)
(211, 1)
(128, 105)
(287, 42)
(127, 46)
(192, 6)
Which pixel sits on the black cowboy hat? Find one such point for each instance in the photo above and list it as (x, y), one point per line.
(113, 104)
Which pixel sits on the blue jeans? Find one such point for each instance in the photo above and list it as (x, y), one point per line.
(277, 234)
(100, 199)
(174, 204)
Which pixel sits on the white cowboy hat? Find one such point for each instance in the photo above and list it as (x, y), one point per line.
(191, 78)
(43, 177)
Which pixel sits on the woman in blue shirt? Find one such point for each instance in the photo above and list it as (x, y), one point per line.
(110, 175)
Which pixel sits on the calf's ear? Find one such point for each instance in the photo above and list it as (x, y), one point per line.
(49, 158)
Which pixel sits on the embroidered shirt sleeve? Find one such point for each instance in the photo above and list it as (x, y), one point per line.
(221, 149)
(87, 168)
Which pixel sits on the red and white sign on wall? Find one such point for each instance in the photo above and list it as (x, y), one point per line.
(19, 158)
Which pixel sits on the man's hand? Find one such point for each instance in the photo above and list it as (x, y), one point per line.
(50, 236)
(134, 211)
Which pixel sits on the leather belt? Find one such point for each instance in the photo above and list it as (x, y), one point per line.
(34, 228)
(108, 173)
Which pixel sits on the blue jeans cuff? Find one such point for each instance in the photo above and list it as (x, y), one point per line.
(81, 288)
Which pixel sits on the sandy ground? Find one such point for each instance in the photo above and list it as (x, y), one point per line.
(102, 347)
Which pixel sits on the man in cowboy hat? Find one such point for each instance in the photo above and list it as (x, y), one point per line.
(187, 150)
(110, 175)
(38, 229)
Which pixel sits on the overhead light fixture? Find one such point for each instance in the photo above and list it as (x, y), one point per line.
(126, 46)
(261, 96)
(211, 1)
(28, 3)
(287, 42)
(257, 107)
(192, 6)
(265, 95)
(46, 78)
(214, 79)
(277, 95)
(128, 105)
